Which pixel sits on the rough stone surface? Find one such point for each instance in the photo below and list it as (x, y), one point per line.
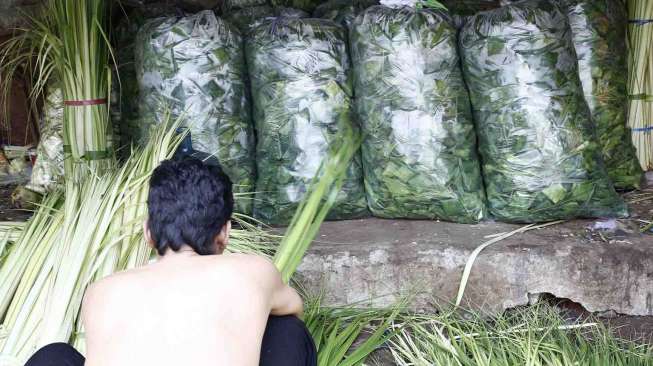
(371, 260)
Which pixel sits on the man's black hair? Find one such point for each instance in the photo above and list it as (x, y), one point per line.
(189, 203)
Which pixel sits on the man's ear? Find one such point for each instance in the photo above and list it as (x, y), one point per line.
(147, 234)
(222, 239)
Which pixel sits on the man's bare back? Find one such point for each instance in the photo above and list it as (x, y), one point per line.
(195, 305)
(185, 309)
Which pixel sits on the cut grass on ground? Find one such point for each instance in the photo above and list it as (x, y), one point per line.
(534, 336)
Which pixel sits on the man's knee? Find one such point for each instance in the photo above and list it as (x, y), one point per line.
(56, 354)
(288, 325)
(287, 341)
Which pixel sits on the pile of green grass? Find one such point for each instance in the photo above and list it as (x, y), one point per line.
(534, 336)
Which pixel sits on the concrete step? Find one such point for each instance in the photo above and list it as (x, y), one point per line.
(370, 261)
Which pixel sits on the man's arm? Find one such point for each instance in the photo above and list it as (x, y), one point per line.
(284, 300)
(88, 305)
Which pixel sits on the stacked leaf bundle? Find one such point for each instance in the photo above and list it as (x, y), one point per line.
(248, 18)
(301, 89)
(640, 83)
(419, 148)
(541, 159)
(599, 36)
(195, 65)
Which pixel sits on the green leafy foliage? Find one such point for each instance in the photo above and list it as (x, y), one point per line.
(306, 5)
(321, 194)
(347, 336)
(431, 4)
(419, 147)
(194, 65)
(599, 36)
(535, 336)
(231, 5)
(248, 18)
(124, 98)
(66, 40)
(470, 7)
(301, 89)
(342, 11)
(541, 159)
(47, 172)
(124, 93)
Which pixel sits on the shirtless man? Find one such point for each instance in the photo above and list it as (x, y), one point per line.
(195, 305)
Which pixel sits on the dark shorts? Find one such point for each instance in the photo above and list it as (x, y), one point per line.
(286, 342)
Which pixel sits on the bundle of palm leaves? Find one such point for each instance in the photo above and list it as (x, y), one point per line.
(70, 243)
(640, 82)
(67, 41)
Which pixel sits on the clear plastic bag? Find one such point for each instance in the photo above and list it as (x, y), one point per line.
(248, 18)
(47, 173)
(124, 97)
(124, 87)
(599, 36)
(193, 66)
(342, 11)
(541, 158)
(419, 147)
(232, 5)
(470, 7)
(305, 5)
(301, 90)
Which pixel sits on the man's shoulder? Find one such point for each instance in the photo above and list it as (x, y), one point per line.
(101, 295)
(105, 287)
(240, 258)
(255, 266)
(252, 262)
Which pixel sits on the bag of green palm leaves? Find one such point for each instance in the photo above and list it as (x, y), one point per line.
(124, 97)
(470, 7)
(342, 11)
(305, 5)
(541, 158)
(301, 90)
(233, 5)
(599, 36)
(194, 67)
(248, 18)
(47, 173)
(419, 146)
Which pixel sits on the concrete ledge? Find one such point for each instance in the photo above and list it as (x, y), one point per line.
(364, 261)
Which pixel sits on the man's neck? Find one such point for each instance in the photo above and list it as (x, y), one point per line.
(183, 252)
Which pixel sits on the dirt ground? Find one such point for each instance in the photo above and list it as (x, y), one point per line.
(7, 211)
